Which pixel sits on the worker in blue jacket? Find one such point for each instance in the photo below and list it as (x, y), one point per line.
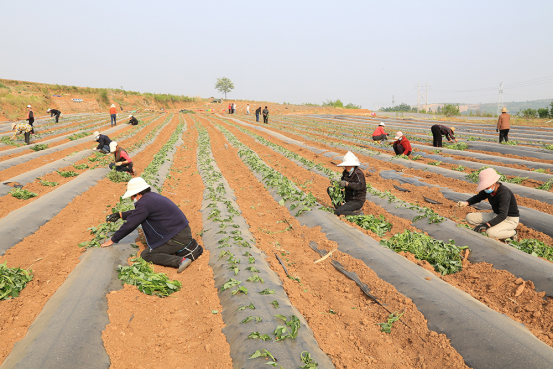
(167, 231)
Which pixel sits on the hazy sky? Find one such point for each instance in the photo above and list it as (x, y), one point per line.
(295, 51)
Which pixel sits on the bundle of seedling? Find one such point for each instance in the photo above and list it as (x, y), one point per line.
(13, 281)
(141, 275)
(23, 194)
(39, 147)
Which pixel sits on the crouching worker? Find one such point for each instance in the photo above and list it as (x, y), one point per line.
(353, 183)
(132, 120)
(122, 162)
(502, 222)
(167, 230)
(379, 134)
(401, 145)
(103, 142)
(22, 128)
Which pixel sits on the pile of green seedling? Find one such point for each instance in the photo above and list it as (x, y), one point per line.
(67, 173)
(272, 178)
(457, 146)
(546, 186)
(474, 177)
(378, 225)
(6, 140)
(119, 176)
(533, 247)
(22, 193)
(141, 275)
(540, 170)
(417, 157)
(78, 136)
(548, 146)
(459, 168)
(39, 147)
(336, 193)
(102, 231)
(386, 327)
(13, 280)
(80, 166)
(444, 257)
(435, 163)
(47, 183)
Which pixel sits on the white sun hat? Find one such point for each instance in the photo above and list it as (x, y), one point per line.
(487, 178)
(29, 106)
(48, 110)
(113, 145)
(382, 124)
(135, 186)
(95, 133)
(349, 159)
(112, 106)
(130, 115)
(398, 135)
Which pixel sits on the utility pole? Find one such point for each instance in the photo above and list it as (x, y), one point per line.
(393, 100)
(500, 98)
(418, 98)
(426, 107)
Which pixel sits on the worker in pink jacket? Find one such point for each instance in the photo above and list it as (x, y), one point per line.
(379, 134)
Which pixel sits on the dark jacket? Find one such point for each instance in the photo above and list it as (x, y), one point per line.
(447, 132)
(133, 121)
(159, 217)
(503, 203)
(503, 122)
(265, 112)
(356, 189)
(259, 110)
(103, 140)
(54, 112)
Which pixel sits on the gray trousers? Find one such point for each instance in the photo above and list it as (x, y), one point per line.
(504, 230)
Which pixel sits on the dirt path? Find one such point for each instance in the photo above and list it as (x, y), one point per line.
(350, 337)
(181, 330)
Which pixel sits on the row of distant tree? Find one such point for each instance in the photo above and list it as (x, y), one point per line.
(450, 110)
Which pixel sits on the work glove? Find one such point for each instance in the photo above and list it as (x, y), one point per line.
(113, 217)
(119, 163)
(461, 203)
(481, 227)
(342, 184)
(496, 130)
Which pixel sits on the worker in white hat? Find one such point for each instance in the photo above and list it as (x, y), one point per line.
(113, 115)
(103, 142)
(132, 120)
(54, 113)
(166, 228)
(379, 134)
(122, 161)
(502, 222)
(503, 126)
(354, 188)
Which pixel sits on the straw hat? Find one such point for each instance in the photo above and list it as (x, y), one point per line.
(113, 146)
(13, 125)
(135, 186)
(398, 135)
(349, 159)
(453, 129)
(95, 133)
(504, 110)
(487, 178)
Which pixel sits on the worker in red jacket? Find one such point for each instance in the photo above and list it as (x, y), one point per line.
(401, 145)
(379, 134)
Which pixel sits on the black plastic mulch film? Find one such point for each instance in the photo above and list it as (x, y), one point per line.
(226, 234)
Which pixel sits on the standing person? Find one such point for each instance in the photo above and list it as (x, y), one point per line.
(438, 131)
(113, 115)
(353, 183)
(265, 112)
(379, 134)
(503, 126)
(230, 108)
(22, 128)
(54, 112)
(247, 108)
(132, 120)
(103, 142)
(166, 228)
(122, 161)
(30, 118)
(258, 112)
(502, 222)
(401, 145)
(234, 108)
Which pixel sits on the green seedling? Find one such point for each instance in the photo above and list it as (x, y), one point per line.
(257, 335)
(546, 186)
(229, 284)
(386, 327)
(251, 260)
(252, 269)
(80, 166)
(275, 304)
(146, 280)
(13, 280)
(289, 330)
(23, 194)
(67, 173)
(267, 291)
(416, 157)
(264, 353)
(250, 318)
(308, 361)
(459, 168)
(255, 279)
(435, 163)
(47, 183)
(533, 247)
(369, 222)
(39, 147)
(240, 289)
(250, 306)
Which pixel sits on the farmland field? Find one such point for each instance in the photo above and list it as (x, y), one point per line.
(409, 284)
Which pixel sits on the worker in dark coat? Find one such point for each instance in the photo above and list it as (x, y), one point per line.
(265, 113)
(354, 187)
(168, 235)
(103, 142)
(502, 222)
(503, 126)
(132, 120)
(54, 113)
(30, 118)
(258, 112)
(438, 131)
